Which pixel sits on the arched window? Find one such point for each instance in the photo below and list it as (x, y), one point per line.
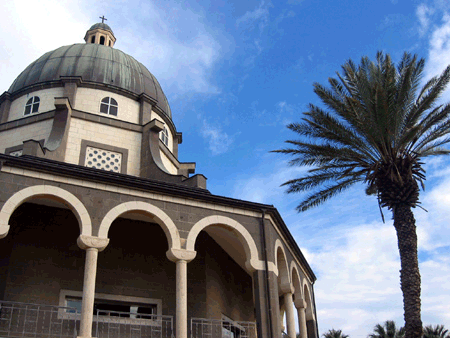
(32, 105)
(102, 40)
(93, 39)
(109, 106)
(164, 136)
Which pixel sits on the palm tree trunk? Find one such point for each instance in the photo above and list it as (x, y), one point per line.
(405, 225)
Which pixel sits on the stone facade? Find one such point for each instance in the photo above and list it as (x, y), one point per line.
(145, 237)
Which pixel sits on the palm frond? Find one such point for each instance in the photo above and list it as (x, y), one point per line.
(325, 194)
(375, 125)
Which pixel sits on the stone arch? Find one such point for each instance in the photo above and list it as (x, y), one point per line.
(56, 193)
(160, 217)
(252, 261)
(296, 282)
(281, 263)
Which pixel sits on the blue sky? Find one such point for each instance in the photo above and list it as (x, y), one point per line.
(235, 73)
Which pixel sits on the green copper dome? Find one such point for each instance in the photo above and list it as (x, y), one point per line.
(95, 64)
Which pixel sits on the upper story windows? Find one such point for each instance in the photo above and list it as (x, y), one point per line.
(109, 106)
(32, 105)
(164, 136)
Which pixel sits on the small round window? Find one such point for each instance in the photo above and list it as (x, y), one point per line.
(109, 106)
(164, 136)
(32, 105)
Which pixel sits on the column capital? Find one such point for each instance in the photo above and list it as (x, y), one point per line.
(180, 255)
(87, 242)
(300, 304)
(287, 288)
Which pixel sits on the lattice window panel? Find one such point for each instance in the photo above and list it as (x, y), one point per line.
(103, 159)
(16, 153)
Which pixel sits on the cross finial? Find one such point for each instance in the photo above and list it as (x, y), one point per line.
(103, 18)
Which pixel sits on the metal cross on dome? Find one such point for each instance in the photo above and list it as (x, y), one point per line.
(103, 18)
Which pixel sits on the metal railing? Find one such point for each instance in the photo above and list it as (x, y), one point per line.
(26, 320)
(216, 328)
(34, 320)
(115, 324)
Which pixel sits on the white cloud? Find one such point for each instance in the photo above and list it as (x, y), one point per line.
(23, 40)
(172, 42)
(439, 51)
(259, 15)
(175, 46)
(423, 12)
(265, 187)
(358, 272)
(357, 261)
(219, 141)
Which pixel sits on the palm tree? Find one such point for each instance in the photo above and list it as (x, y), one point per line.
(377, 127)
(334, 334)
(437, 331)
(388, 330)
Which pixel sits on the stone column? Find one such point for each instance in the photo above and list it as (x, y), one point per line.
(92, 245)
(300, 305)
(181, 258)
(288, 291)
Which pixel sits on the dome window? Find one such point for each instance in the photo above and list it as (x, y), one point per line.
(109, 106)
(93, 39)
(102, 40)
(164, 136)
(32, 105)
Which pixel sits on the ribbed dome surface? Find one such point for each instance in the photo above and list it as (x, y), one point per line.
(96, 64)
(101, 25)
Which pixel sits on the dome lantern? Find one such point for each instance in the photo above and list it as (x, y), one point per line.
(101, 34)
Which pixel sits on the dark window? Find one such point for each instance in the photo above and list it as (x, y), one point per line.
(74, 303)
(145, 311)
(109, 43)
(93, 39)
(109, 106)
(32, 105)
(111, 308)
(102, 40)
(164, 136)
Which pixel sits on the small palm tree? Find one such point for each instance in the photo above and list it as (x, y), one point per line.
(377, 128)
(387, 330)
(334, 334)
(437, 331)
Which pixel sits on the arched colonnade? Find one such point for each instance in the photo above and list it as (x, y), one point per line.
(296, 294)
(296, 290)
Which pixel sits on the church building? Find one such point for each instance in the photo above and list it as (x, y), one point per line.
(105, 233)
